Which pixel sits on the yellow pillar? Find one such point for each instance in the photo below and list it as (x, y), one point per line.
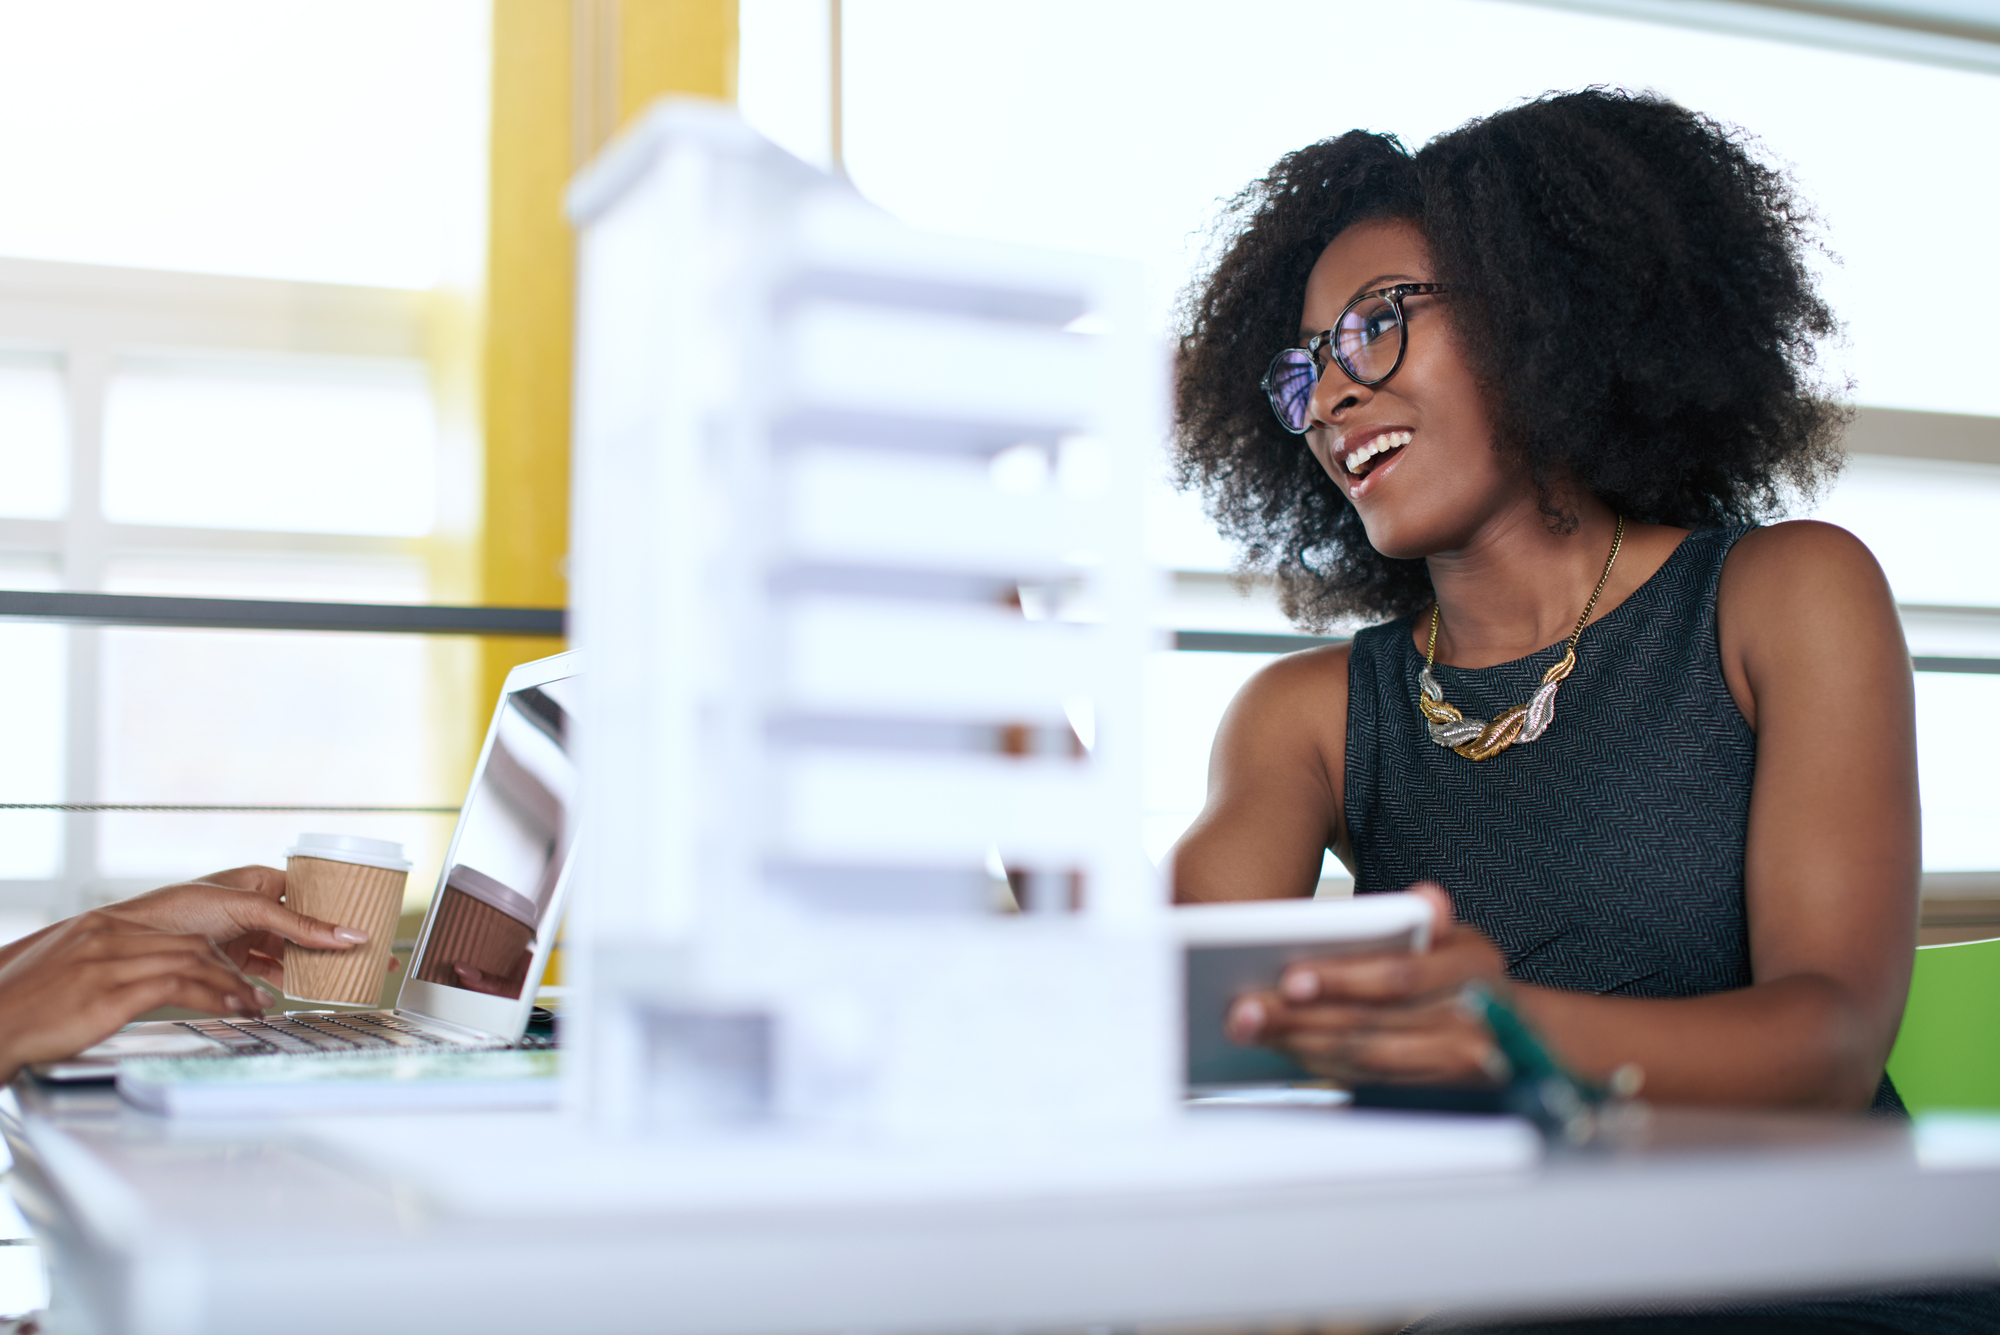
(675, 46)
(566, 73)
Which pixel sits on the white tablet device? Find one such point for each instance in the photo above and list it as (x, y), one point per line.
(1245, 946)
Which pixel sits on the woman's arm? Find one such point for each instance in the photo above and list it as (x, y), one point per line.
(1814, 653)
(1274, 786)
(1814, 656)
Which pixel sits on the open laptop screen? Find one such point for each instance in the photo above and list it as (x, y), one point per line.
(512, 842)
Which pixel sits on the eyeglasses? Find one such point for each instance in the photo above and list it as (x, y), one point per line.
(1367, 340)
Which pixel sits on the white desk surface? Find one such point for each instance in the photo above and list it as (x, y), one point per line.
(506, 1222)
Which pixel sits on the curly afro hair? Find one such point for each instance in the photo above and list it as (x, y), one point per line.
(1632, 289)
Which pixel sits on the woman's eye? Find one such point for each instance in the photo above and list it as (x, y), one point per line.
(1367, 323)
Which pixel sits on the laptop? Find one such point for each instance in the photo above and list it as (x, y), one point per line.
(471, 981)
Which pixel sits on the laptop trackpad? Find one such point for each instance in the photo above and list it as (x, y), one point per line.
(140, 1043)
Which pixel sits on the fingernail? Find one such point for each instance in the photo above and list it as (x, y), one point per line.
(1246, 1018)
(352, 935)
(1301, 985)
(233, 1002)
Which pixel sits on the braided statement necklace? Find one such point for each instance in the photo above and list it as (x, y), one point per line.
(1475, 738)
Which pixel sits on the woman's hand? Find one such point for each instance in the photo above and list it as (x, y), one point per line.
(79, 981)
(240, 911)
(474, 979)
(1372, 1019)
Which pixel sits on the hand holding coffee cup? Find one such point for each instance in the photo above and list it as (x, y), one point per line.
(243, 911)
(355, 883)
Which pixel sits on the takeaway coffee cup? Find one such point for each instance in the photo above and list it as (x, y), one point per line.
(350, 882)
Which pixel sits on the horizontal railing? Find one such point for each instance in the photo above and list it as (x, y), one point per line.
(1244, 642)
(133, 609)
(95, 807)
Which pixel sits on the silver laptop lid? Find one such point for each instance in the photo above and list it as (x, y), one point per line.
(499, 900)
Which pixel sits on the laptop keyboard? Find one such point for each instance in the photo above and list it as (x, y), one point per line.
(316, 1033)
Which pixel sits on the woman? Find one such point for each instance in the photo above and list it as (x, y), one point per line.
(1521, 397)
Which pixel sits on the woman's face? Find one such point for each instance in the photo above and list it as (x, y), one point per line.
(1434, 493)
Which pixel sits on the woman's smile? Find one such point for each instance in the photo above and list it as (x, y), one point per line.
(1363, 457)
(1359, 452)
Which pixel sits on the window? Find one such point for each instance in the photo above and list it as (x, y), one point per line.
(302, 444)
(34, 431)
(234, 363)
(1927, 521)
(1107, 126)
(32, 662)
(314, 464)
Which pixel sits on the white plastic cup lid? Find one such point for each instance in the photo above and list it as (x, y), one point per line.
(351, 848)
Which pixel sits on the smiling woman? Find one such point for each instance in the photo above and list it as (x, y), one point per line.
(1547, 373)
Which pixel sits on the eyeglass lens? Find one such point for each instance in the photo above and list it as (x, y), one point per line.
(1366, 342)
(1290, 383)
(1368, 339)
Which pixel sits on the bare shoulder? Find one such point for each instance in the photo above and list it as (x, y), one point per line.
(1804, 609)
(1294, 678)
(1800, 555)
(1274, 784)
(1802, 572)
(1291, 700)
(1288, 724)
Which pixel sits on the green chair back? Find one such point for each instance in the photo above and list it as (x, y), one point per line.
(1948, 1052)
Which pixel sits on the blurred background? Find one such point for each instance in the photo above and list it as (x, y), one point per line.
(284, 302)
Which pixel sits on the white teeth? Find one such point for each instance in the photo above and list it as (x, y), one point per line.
(1390, 440)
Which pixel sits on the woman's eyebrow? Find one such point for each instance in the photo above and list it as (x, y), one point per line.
(1378, 280)
(1306, 331)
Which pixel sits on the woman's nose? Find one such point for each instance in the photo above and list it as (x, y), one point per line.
(1332, 394)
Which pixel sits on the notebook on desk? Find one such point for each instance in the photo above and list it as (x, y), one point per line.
(470, 983)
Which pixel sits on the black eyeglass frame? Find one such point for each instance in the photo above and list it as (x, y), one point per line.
(1324, 340)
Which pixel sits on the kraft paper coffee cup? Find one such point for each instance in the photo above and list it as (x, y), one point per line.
(348, 881)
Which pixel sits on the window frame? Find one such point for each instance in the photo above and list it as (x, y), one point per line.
(88, 317)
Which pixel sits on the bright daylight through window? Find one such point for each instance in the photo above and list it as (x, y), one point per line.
(224, 326)
(192, 441)
(1074, 127)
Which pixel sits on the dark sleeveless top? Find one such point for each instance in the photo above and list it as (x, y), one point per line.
(1605, 856)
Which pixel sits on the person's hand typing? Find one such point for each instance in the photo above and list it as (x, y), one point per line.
(1365, 1019)
(78, 982)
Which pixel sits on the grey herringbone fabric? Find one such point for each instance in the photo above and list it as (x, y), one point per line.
(1607, 856)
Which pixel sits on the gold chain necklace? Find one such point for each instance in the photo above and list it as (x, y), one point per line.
(1475, 738)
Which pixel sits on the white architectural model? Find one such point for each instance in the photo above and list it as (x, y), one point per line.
(857, 557)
